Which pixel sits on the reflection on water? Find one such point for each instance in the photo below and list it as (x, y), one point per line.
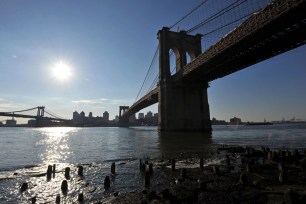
(55, 141)
(173, 143)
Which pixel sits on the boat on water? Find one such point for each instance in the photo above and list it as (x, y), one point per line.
(258, 123)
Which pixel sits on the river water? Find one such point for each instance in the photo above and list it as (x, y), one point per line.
(28, 151)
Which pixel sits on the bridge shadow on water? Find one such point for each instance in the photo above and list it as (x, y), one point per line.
(185, 144)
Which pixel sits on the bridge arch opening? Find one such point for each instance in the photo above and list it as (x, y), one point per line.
(189, 57)
(174, 58)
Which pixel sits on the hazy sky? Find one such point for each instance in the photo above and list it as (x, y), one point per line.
(108, 46)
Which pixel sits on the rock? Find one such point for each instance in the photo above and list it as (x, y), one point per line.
(280, 166)
(152, 195)
(202, 185)
(243, 179)
(303, 164)
(184, 174)
(216, 170)
(291, 197)
(282, 178)
(296, 153)
(227, 160)
(166, 194)
(270, 155)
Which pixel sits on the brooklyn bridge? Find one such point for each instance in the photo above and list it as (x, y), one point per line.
(231, 37)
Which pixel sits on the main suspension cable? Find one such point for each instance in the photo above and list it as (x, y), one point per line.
(155, 54)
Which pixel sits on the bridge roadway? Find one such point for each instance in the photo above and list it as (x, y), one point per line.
(30, 116)
(279, 27)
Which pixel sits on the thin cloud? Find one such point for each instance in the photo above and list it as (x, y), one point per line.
(102, 101)
(6, 106)
(87, 101)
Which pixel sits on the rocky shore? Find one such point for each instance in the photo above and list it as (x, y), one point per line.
(242, 175)
(230, 174)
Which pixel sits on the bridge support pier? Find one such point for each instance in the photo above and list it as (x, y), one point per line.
(182, 105)
(123, 121)
(184, 108)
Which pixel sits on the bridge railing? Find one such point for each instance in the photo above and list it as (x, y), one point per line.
(256, 21)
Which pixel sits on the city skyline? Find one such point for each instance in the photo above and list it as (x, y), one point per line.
(90, 37)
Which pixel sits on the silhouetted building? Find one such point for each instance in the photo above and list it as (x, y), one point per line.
(90, 115)
(148, 120)
(82, 114)
(132, 119)
(214, 121)
(155, 119)
(76, 115)
(11, 122)
(235, 121)
(140, 116)
(106, 117)
(116, 118)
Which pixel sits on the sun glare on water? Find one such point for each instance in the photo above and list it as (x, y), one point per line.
(62, 71)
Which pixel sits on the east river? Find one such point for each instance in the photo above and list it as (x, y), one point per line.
(25, 154)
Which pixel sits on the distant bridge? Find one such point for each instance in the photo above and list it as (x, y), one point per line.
(271, 30)
(39, 117)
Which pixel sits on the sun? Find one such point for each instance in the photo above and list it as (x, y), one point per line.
(62, 71)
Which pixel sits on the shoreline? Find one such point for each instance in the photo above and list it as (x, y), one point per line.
(232, 174)
(244, 175)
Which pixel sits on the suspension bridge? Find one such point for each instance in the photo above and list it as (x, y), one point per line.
(213, 40)
(42, 117)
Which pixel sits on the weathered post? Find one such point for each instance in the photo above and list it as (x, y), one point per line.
(147, 179)
(58, 199)
(67, 173)
(106, 183)
(49, 172)
(151, 168)
(81, 197)
(80, 171)
(64, 186)
(173, 164)
(201, 163)
(113, 168)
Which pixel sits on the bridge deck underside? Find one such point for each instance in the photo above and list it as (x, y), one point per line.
(284, 33)
(147, 100)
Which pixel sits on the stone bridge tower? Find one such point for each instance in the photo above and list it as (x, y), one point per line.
(182, 105)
